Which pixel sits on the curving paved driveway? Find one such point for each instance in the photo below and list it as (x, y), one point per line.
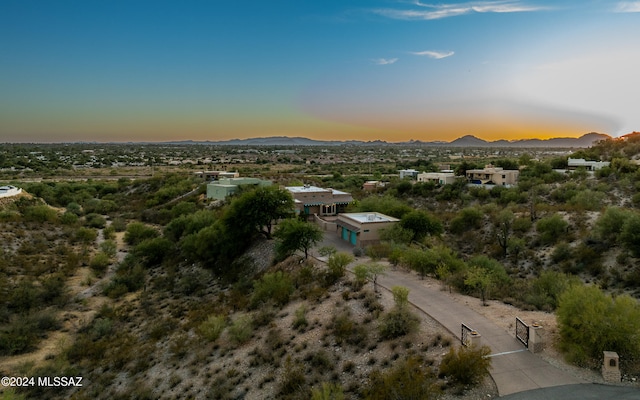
(514, 369)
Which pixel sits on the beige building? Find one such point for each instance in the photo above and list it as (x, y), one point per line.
(312, 200)
(362, 229)
(493, 176)
(439, 178)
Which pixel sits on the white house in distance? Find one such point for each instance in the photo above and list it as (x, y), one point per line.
(361, 229)
(575, 163)
(439, 178)
(8, 191)
(408, 173)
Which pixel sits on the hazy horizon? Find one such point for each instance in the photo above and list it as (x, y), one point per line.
(390, 70)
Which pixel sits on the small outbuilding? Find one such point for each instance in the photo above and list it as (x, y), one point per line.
(362, 229)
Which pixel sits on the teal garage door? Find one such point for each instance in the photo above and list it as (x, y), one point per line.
(353, 238)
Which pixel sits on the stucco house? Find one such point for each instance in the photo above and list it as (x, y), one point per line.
(313, 200)
(439, 178)
(408, 173)
(493, 176)
(575, 163)
(222, 188)
(362, 229)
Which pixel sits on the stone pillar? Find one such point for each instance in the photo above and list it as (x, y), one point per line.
(611, 367)
(474, 339)
(536, 338)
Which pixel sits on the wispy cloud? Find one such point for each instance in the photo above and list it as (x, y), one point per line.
(433, 54)
(384, 61)
(628, 7)
(439, 11)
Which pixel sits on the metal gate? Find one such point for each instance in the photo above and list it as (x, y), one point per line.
(464, 336)
(522, 332)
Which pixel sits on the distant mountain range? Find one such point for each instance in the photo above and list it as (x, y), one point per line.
(466, 141)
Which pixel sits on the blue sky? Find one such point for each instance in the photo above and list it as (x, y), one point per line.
(335, 69)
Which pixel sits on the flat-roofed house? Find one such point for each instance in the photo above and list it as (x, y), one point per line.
(313, 200)
(575, 163)
(8, 191)
(439, 178)
(362, 229)
(224, 187)
(491, 175)
(408, 173)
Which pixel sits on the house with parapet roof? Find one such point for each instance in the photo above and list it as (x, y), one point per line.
(312, 200)
(362, 229)
(491, 175)
(575, 163)
(439, 178)
(220, 189)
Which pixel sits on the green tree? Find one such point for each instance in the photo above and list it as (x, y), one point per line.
(337, 264)
(468, 218)
(630, 235)
(371, 271)
(552, 228)
(503, 224)
(258, 210)
(421, 224)
(137, 232)
(515, 247)
(610, 224)
(480, 279)
(293, 235)
(591, 322)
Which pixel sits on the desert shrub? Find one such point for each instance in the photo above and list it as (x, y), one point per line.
(320, 361)
(40, 213)
(85, 235)
(68, 218)
(467, 218)
(336, 265)
(137, 232)
(591, 322)
(552, 228)
(521, 225)
(276, 287)
(327, 391)
(109, 248)
(609, 225)
(547, 289)
(562, 252)
(410, 379)
(361, 274)
(292, 381)
(345, 329)
(630, 235)
(241, 329)
(466, 365)
(378, 251)
(129, 277)
(400, 296)
(300, 318)
(152, 252)
(193, 282)
(398, 322)
(212, 327)
(94, 220)
(99, 263)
